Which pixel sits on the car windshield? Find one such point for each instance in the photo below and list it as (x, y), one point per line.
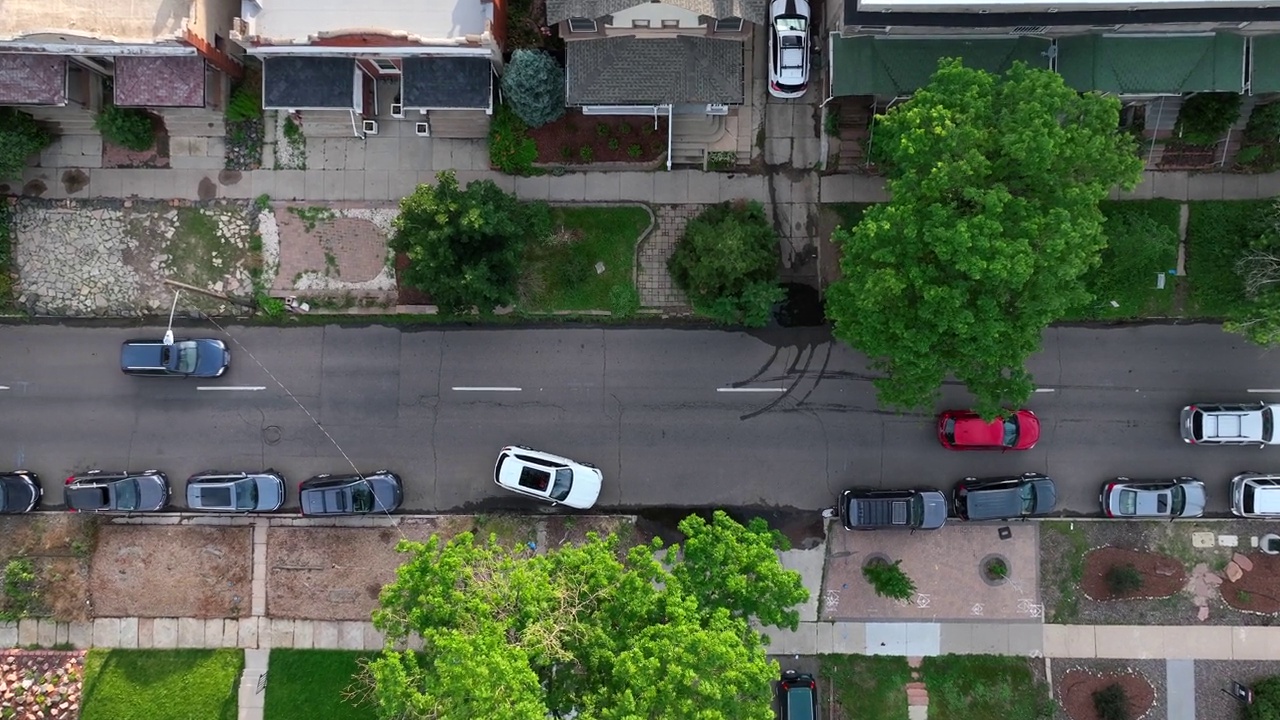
(1010, 432)
(1028, 495)
(180, 357)
(1128, 502)
(246, 492)
(917, 509)
(361, 497)
(787, 23)
(949, 429)
(126, 494)
(564, 482)
(1267, 424)
(1246, 499)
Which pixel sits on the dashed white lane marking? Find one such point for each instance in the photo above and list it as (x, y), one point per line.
(1046, 389)
(1264, 390)
(243, 388)
(488, 389)
(751, 389)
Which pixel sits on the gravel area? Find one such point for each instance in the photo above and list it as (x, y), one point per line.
(1152, 670)
(1064, 544)
(1214, 676)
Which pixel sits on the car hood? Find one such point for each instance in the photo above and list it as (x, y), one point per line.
(212, 357)
(270, 492)
(1195, 500)
(387, 492)
(586, 488)
(935, 509)
(153, 493)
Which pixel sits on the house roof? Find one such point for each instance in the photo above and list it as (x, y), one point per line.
(1264, 67)
(754, 11)
(890, 67)
(446, 82)
(33, 79)
(131, 21)
(1169, 64)
(299, 81)
(297, 21)
(653, 71)
(159, 81)
(855, 15)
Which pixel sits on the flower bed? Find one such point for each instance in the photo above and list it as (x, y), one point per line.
(576, 139)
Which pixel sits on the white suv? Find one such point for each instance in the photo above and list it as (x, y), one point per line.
(1229, 424)
(1254, 495)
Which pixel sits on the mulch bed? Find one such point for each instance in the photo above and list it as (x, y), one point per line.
(157, 156)
(1176, 155)
(1258, 590)
(576, 139)
(406, 295)
(1162, 575)
(1076, 689)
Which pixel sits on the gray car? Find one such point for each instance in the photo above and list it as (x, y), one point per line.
(1002, 498)
(1182, 497)
(873, 508)
(1229, 424)
(106, 491)
(214, 491)
(376, 492)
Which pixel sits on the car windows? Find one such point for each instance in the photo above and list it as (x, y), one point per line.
(1128, 502)
(361, 497)
(534, 479)
(800, 702)
(1197, 424)
(949, 430)
(186, 357)
(564, 483)
(1178, 495)
(126, 494)
(1267, 424)
(246, 492)
(1028, 495)
(1010, 432)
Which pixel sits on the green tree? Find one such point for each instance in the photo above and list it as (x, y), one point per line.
(727, 263)
(464, 245)
(734, 567)
(1266, 700)
(20, 138)
(995, 184)
(533, 85)
(610, 634)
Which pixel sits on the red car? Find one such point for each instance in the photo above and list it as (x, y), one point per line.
(964, 430)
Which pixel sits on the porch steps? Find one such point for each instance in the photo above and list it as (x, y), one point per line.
(327, 123)
(855, 118)
(463, 124)
(193, 122)
(64, 120)
(685, 152)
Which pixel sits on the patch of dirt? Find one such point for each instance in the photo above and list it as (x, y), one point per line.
(576, 139)
(173, 571)
(1177, 156)
(1258, 589)
(336, 573)
(59, 547)
(406, 295)
(1162, 575)
(1076, 687)
(156, 156)
(565, 530)
(41, 684)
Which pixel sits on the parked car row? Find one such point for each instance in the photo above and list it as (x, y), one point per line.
(212, 491)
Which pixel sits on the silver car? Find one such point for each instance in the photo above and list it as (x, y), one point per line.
(1177, 498)
(1229, 424)
(214, 491)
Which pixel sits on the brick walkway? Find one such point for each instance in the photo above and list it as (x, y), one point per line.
(657, 290)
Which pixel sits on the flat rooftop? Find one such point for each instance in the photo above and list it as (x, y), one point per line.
(126, 21)
(1058, 5)
(296, 20)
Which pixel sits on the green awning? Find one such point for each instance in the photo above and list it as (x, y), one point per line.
(891, 67)
(1264, 69)
(1143, 65)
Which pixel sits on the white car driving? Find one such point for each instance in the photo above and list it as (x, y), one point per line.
(557, 480)
(788, 48)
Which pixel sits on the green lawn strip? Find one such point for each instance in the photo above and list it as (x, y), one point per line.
(1142, 242)
(983, 687)
(865, 686)
(1218, 233)
(561, 272)
(1064, 534)
(312, 685)
(161, 684)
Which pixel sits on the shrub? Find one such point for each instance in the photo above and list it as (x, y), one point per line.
(1123, 579)
(624, 128)
(721, 160)
(624, 301)
(1248, 154)
(634, 150)
(997, 569)
(831, 121)
(245, 104)
(272, 307)
(1264, 123)
(602, 129)
(727, 263)
(127, 127)
(1266, 700)
(889, 580)
(614, 143)
(586, 153)
(1204, 117)
(566, 152)
(19, 589)
(511, 150)
(1111, 703)
(20, 137)
(533, 85)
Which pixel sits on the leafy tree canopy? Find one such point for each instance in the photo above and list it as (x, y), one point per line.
(465, 245)
(533, 85)
(20, 137)
(727, 263)
(995, 184)
(610, 635)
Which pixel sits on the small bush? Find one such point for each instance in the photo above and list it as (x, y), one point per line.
(614, 143)
(1248, 154)
(634, 150)
(586, 153)
(624, 128)
(997, 569)
(831, 121)
(602, 129)
(721, 160)
(889, 580)
(566, 152)
(19, 589)
(1266, 700)
(1264, 123)
(245, 104)
(511, 150)
(1205, 117)
(533, 86)
(1123, 579)
(624, 301)
(1111, 703)
(126, 127)
(271, 307)
(727, 263)
(20, 137)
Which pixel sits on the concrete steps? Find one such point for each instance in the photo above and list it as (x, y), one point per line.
(198, 123)
(463, 124)
(64, 120)
(327, 123)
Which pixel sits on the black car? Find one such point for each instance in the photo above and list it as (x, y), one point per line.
(797, 696)
(1002, 498)
(19, 491)
(873, 508)
(327, 494)
(105, 491)
(199, 358)
(214, 491)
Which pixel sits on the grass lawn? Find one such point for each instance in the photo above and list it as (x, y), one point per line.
(1218, 233)
(561, 274)
(983, 687)
(161, 684)
(865, 686)
(309, 685)
(1142, 242)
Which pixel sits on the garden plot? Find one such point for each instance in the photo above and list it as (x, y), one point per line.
(1083, 687)
(47, 564)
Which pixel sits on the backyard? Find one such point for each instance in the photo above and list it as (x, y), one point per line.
(161, 684)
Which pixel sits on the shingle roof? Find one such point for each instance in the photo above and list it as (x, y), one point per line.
(447, 82)
(33, 79)
(653, 71)
(160, 81)
(301, 82)
(750, 10)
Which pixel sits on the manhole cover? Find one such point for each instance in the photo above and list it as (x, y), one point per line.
(271, 434)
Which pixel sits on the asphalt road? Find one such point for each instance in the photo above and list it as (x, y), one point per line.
(649, 406)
